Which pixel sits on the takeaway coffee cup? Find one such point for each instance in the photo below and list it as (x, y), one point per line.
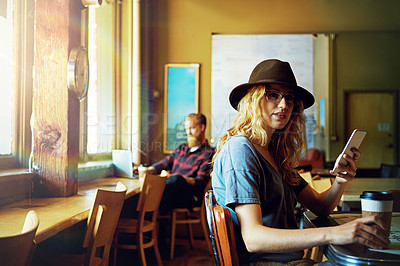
(142, 169)
(378, 203)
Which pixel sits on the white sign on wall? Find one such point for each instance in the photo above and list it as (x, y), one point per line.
(233, 58)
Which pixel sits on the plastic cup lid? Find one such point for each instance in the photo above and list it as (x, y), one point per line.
(376, 195)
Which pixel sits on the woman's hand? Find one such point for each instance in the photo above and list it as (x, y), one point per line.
(368, 231)
(348, 172)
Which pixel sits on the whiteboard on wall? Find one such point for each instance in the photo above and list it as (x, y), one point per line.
(233, 57)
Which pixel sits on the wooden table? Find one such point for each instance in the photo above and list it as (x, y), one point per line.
(57, 214)
(351, 196)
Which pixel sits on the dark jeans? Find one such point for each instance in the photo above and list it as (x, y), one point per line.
(177, 194)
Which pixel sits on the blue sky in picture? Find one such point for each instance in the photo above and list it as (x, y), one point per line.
(181, 94)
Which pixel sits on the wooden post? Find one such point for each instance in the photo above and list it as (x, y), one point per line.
(55, 118)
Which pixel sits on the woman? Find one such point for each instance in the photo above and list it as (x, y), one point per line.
(254, 176)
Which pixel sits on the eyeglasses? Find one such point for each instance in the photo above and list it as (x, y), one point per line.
(276, 97)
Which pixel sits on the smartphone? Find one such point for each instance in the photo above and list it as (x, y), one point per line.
(354, 142)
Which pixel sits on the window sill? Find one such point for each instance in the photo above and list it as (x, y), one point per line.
(15, 185)
(15, 175)
(93, 170)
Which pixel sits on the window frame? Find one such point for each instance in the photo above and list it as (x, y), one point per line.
(124, 82)
(23, 39)
(123, 92)
(84, 156)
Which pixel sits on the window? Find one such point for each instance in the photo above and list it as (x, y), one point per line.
(100, 113)
(6, 77)
(106, 114)
(16, 64)
(109, 98)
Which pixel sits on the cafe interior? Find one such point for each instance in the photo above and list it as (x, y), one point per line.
(82, 78)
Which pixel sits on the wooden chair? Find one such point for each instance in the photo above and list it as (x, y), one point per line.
(388, 170)
(209, 201)
(102, 221)
(196, 215)
(101, 224)
(16, 250)
(221, 232)
(149, 200)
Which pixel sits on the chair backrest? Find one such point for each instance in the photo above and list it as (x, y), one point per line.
(209, 204)
(223, 235)
(390, 170)
(18, 249)
(150, 197)
(102, 221)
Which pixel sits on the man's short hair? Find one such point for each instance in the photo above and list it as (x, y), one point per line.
(201, 119)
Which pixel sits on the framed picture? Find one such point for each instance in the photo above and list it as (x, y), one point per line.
(181, 97)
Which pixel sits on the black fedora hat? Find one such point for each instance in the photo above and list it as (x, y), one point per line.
(271, 71)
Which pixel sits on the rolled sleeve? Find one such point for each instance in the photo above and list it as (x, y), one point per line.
(237, 168)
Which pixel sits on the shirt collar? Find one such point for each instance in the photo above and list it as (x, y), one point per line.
(193, 149)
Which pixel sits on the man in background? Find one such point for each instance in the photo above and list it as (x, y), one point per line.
(188, 166)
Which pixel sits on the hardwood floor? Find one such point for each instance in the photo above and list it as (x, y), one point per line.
(184, 255)
(199, 255)
(72, 238)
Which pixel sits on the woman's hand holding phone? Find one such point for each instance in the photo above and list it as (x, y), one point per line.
(345, 166)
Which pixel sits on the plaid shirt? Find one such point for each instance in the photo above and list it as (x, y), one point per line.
(194, 164)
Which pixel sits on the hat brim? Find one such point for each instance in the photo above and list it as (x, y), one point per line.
(240, 91)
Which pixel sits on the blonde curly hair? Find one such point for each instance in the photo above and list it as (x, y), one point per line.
(286, 144)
